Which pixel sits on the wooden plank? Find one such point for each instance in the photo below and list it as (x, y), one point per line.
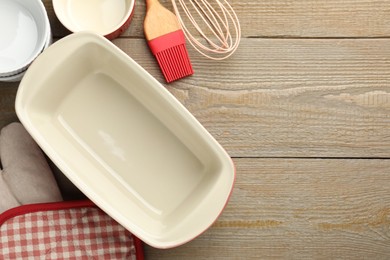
(286, 18)
(299, 209)
(313, 18)
(7, 103)
(283, 98)
(295, 98)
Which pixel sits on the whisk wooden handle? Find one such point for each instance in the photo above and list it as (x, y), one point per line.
(159, 20)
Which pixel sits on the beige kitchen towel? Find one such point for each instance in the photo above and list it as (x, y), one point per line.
(7, 199)
(24, 168)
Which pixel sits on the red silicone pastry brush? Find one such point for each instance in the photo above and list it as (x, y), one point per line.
(166, 40)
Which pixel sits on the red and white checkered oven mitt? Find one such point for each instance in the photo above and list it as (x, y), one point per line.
(65, 230)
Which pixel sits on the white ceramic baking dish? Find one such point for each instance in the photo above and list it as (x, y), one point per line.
(124, 140)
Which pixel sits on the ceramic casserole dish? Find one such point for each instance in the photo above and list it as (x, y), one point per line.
(124, 140)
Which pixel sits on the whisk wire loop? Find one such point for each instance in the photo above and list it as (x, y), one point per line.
(223, 32)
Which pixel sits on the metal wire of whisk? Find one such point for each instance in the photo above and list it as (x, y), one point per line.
(215, 22)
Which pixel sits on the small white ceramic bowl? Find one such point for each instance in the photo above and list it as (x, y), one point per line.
(25, 30)
(125, 140)
(18, 76)
(107, 18)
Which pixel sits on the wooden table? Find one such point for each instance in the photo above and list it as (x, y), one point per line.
(303, 107)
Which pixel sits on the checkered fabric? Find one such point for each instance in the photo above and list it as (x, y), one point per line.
(76, 233)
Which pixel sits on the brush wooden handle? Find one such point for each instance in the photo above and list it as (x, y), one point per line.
(159, 20)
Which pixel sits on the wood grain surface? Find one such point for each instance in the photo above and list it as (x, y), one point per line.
(303, 108)
(299, 209)
(288, 18)
(299, 98)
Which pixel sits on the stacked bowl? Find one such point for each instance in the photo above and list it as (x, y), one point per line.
(25, 30)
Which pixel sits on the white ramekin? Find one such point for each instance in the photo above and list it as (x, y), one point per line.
(25, 30)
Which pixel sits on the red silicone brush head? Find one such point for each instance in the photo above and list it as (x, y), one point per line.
(172, 55)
